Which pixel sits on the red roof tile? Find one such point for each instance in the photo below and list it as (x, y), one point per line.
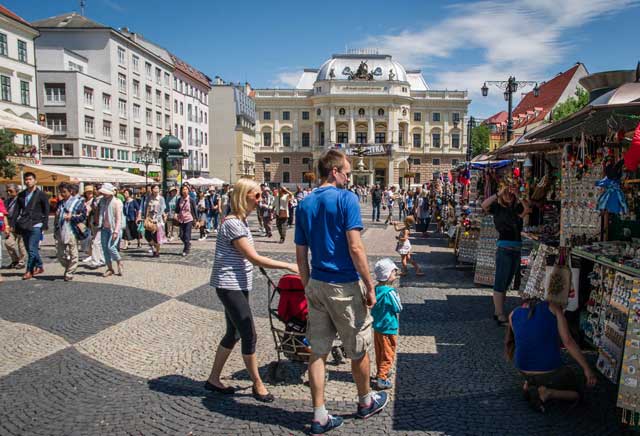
(500, 117)
(190, 71)
(10, 14)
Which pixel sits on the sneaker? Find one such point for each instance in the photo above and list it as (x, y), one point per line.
(383, 384)
(332, 422)
(88, 260)
(150, 251)
(202, 239)
(185, 254)
(378, 402)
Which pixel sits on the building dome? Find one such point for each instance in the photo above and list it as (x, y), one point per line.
(347, 65)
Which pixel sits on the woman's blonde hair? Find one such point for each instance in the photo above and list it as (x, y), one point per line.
(239, 196)
(409, 221)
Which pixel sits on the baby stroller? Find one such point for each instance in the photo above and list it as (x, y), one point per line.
(292, 313)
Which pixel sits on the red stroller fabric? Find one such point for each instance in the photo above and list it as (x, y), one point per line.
(293, 303)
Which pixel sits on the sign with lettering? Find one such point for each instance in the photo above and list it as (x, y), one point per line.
(367, 149)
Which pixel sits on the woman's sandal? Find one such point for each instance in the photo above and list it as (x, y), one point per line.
(266, 398)
(535, 401)
(213, 388)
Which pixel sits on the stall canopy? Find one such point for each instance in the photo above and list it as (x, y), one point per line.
(524, 144)
(202, 181)
(20, 125)
(52, 174)
(490, 164)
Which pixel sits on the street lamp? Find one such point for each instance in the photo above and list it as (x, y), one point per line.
(310, 167)
(146, 156)
(510, 87)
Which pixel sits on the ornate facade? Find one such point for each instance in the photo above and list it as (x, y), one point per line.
(409, 132)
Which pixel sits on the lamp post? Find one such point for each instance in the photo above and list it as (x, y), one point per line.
(146, 156)
(310, 168)
(470, 125)
(510, 87)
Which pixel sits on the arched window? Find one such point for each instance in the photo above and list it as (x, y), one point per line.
(342, 111)
(380, 112)
(361, 112)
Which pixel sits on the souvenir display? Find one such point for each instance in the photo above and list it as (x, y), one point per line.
(618, 254)
(534, 287)
(579, 215)
(486, 252)
(629, 390)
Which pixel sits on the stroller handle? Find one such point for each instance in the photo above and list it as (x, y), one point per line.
(264, 272)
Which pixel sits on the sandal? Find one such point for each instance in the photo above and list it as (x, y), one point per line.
(535, 401)
(107, 273)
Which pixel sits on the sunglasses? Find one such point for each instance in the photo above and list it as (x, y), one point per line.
(258, 195)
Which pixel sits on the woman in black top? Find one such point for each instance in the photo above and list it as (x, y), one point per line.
(507, 211)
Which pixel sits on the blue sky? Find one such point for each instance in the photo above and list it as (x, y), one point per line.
(458, 45)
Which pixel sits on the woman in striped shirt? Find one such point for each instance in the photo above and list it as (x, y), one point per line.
(232, 276)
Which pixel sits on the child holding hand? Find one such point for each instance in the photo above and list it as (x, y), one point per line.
(404, 246)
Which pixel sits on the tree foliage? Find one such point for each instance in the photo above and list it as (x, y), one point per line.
(7, 148)
(480, 139)
(571, 105)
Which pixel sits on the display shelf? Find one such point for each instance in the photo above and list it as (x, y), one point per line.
(604, 260)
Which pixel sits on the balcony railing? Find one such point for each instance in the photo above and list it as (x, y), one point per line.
(58, 129)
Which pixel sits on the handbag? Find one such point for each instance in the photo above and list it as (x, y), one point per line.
(141, 227)
(542, 188)
(559, 282)
(282, 214)
(150, 225)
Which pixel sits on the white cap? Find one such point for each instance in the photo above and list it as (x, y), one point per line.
(107, 189)
(384, 268)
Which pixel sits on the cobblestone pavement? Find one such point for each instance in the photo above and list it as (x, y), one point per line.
(128, 355)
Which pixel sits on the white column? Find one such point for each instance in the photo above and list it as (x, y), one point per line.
(371, 133)
(372, 175)
(445, 131)
(332, 125)
(352, 126)
(327, 128)
(390, 125)
(391, 174)
(295, 141)
(276, 130)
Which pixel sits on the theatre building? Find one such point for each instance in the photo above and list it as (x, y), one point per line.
(409, 133)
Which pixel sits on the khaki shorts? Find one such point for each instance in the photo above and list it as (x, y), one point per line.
(338, 308)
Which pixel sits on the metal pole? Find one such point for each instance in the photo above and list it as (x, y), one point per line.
(470, 126)
(510, 119)
(146, 173)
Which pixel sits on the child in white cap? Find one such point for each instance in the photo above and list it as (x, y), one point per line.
(385, 320)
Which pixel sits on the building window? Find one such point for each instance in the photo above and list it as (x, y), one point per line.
(266, 160)
(175, 130)
(122, 132)
(88, 97)
(148, 94)
(149, 116)
(380, 112)
(57, 123)
(159, 120)
(416, 178)
(4, 49)
(305, 115)
(305, 161)
(455, 140)
(361, 112)
(167, 122)
(361, 137)
(380, 137)
(167, 79)
(158, 75)
(343, 137)
(417, 140)
(342, 111)
(189, 112)
(27, 139)
(456, 117)
(136, 112)
(22, 51)
(167, 101)
(136, 136)
(416, 161)
(285, 177)
(106, 153)
(149, 138)
(88, 126)
(58, 150)
(286, 116)
(106, 129)
(72, 66)
(436, 117)
(306, 139)
(123, 155)
(89, 150)
(322, 137)
(158, 97)
(181, 132)
(435, 162)
(5, 83)
(286, 139)
(147, 69)
(135, 60)
(136, 88)
(122, 108)
(417, 116)
(24, 93)
(435, 140)
(266, 115)
(266, 139)
(175, 106)
(267, 176)
(405, 89)
(122, 82)
(122, 57)
(55, 93)
(106, 102)
(285, 161)
(454, 162)
(181, 108)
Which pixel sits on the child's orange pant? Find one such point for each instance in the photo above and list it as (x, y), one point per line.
(385, 353)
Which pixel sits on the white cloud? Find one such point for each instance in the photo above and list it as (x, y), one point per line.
(525, 38)
(287, 79)
(114, 5)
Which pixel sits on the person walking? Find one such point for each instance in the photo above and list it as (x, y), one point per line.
(13, 240)
(339, 287)
(507, 211)
(259, 210)
(186, 211)
(376, 201)
(4, 224)
(131, 209)
(232, 278)
(171, 212)
(390, 201)
(71, 215)
(31, 219)
(266, 206)
(282, 210)
(213, 210)
(94, 246)
(298, 197)
(110, 222)
(154, 220)
(403, 247)
(201, 205)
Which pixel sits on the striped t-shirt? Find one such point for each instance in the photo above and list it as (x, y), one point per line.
(230, 268)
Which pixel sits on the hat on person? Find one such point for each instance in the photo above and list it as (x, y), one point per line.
(107, 189)
(384, 268)
(88, 188)
(173, 188)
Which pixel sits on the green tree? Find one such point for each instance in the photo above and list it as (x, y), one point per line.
(571, 105)
(7, 148)
(480, 139)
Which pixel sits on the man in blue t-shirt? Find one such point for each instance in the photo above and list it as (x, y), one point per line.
(339, 287)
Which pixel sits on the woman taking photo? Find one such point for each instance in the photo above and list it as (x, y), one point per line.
(507, 211)
(232, 276)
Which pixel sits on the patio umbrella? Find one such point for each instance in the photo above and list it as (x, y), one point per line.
(17, 124)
